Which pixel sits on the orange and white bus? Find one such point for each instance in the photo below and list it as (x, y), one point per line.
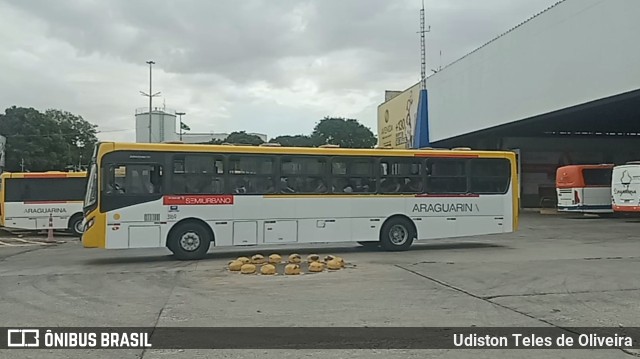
(190, 197)
(625, 188)
(584, 188)
(30, 200)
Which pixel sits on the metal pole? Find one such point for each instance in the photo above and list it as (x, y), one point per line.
(150, 96)
(180, 124)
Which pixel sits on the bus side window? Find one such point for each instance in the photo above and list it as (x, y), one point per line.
(251, 174)
(353, 174)
(156, 179)
(446, 175)
(303, 174)
(197, 174)
(134, 179)
(490, 175)
(115, 183)
(401, 175)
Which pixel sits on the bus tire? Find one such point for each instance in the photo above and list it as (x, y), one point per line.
(189, 241)
(370, 244)
(397, 234)
(75, 224)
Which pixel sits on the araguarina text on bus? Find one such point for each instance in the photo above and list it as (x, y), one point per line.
(625, 191)
(45, 210)
(445, 207)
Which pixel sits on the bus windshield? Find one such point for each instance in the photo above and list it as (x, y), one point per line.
(597, 176)
(92, 186)
(44, 189)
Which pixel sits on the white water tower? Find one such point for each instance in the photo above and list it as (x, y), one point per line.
(163, 125)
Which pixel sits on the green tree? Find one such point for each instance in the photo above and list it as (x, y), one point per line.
(348, 133)
(242, 138)
(294, 141)
(79, 135)
(46, 141)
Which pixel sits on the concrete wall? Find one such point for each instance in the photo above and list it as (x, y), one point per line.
(577, 51)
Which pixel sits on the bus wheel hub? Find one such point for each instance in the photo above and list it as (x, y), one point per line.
(398, 235)
(190, 241)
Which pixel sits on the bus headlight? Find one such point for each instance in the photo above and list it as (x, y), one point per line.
(88, 224)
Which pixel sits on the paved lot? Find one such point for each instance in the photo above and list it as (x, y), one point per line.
(554, 271)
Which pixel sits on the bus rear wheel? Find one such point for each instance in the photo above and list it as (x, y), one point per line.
(75, 225)
(189, 241)
(397, 234)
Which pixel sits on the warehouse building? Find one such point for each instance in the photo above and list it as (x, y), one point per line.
(561, 88)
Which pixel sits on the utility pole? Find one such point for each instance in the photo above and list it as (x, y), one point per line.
(423, 48)
(22, 164)
(180, 125)
(150, 95)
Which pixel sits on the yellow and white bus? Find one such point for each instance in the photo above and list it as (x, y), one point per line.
(189, 197)
(30, 200)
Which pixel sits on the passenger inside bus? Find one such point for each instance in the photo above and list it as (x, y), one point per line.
(284, 186)
(342, 185)
(265, 185)
(412, 185)
(241, 186)
(365, 185)
(320, 187)
(390, 185)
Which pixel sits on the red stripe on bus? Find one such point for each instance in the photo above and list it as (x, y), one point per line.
(617, 208)
(197, 200)
(444, 155)
(44, 202)
(464, 195)
(45, 175)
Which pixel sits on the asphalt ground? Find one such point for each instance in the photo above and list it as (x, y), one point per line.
(555, 271)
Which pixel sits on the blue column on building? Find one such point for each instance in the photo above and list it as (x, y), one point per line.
(421, 137)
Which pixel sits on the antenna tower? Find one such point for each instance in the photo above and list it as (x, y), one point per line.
(423, 48)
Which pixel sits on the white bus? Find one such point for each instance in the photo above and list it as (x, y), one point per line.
(190, 197)
(584, 188)
(625, 187)
(30, 200)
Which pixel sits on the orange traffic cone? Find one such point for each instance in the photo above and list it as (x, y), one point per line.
(50, 231)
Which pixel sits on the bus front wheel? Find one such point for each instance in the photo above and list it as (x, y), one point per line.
(75, 225)
(189, 241)
(397, 234)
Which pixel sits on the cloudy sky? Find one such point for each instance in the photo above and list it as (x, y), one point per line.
(268, 66)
